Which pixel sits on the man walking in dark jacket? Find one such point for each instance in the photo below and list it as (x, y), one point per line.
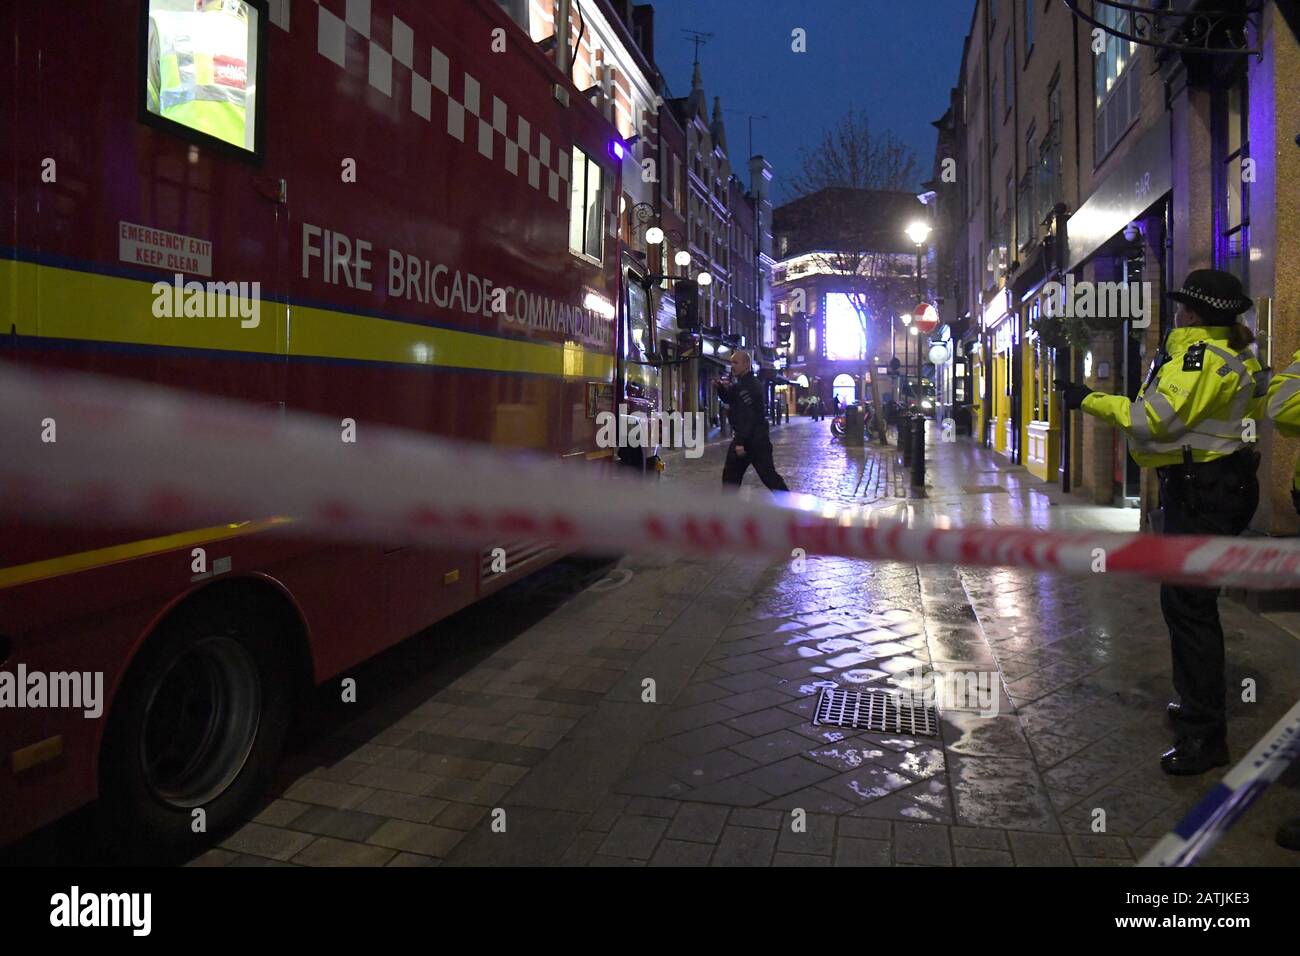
(750, 443)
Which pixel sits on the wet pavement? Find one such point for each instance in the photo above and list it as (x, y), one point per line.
(654, 711)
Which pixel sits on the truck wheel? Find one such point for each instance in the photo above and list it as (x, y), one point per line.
(198, 725)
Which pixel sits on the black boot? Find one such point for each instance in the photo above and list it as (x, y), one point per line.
(1194, 755)
(1288, 834)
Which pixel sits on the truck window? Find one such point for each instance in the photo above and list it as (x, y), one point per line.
(639, 342)
(201, 67)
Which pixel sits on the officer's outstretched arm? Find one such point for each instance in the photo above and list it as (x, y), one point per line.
(1284, 398)
(1179, 401)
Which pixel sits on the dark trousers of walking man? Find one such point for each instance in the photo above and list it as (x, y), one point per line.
(747, 412)
(760, 456)
(1230, 493)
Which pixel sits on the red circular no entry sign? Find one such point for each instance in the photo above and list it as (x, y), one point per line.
(926, 318)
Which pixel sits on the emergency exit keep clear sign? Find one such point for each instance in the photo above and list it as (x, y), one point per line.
(159, 249)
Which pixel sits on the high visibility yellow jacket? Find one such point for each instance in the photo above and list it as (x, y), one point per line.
(1284, 405)
(1205, 395)
(198, 72)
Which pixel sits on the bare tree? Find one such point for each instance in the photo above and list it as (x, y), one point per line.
(851, 155)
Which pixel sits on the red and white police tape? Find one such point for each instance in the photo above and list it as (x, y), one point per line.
(131, 454)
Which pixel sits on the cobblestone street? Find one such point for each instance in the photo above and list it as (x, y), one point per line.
(516, 731)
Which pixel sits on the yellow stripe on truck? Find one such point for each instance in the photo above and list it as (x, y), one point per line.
(96, 308)
(86, 560)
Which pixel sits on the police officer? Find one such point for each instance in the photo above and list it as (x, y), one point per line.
(750, 443)
(198, 68)
(1187, 423)
(1284, 409)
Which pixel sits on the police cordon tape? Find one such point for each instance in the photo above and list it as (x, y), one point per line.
(124, 453)
(1219, 809)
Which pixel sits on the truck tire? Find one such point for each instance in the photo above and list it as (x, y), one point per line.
(198, 724)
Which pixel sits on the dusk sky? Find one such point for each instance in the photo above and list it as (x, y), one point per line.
(894, 59)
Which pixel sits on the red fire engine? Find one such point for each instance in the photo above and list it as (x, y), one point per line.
(385, 211)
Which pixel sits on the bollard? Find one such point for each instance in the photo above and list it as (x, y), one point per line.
(853, 425)
(905, 438)
(918, 453)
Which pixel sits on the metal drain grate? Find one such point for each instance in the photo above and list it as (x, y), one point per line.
(876, 710)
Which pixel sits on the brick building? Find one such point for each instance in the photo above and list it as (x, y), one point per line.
(1086, 150)
(845, 272)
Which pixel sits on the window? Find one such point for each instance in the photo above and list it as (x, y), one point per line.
(845, 333)
(1029, 27)
(1232, 146)
(639, 342)
(586, 207)
(1038, 410)
(1004, 224)
(1027, 218)
(201, 70)
(1115, 87)
(1008, 75)
(517, 10)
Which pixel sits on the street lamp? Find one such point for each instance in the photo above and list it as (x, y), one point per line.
(918, 232)
(704, 279)
(654, 235)
(683, 258)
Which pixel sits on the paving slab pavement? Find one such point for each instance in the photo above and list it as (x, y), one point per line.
(663, 714)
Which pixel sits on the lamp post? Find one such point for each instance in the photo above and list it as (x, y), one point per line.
(654, 236)
(918, 232)
(907, 324)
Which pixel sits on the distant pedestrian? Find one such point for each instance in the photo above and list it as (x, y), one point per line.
(750, 442)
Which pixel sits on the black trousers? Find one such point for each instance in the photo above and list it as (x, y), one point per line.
(760, 456)
(1222, 501)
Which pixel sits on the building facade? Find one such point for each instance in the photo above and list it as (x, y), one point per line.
(1083, 154)
(846, 272)
(677, 176)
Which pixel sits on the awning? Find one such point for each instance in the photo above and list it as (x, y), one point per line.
(1140, 177)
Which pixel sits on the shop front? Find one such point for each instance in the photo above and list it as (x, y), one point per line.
(1040, 406)
(999, 417)
(1120, 236)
